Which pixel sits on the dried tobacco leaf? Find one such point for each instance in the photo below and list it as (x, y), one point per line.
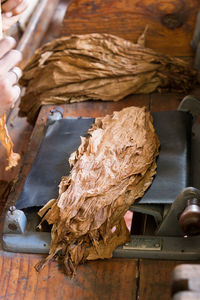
(98, 67)
(5, 140)
(110, 170)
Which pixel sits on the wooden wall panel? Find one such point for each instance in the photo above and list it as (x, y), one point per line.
(171, 22)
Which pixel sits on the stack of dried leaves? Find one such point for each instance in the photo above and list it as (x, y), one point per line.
(98, 67)
(110, 170)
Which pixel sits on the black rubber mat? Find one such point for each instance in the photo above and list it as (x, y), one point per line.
(63, 137)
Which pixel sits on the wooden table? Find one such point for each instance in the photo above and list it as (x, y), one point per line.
(108, 279)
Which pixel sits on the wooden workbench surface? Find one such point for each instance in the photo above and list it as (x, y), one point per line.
(108, 279)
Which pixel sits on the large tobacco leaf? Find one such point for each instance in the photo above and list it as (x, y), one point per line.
(98, 67)
(112, 168)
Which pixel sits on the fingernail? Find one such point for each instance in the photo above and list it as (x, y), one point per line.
(8, 14)
(11, 39)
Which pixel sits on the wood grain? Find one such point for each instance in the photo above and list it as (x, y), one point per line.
(95, 280)
(99, 108)
(155, 279)
(170, 22)
(164, 102)
(5, 188)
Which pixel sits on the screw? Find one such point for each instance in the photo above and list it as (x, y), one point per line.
(12, 227)
(12, 209)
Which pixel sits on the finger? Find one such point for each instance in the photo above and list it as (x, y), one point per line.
(14, 75)
(7, 22)
(9, 61)
(10, 5)
(9, 93)
(7, 14)
(6, 44)
(20, 8)
(14, 95)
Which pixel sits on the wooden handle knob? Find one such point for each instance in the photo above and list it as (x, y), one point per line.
(189, 220)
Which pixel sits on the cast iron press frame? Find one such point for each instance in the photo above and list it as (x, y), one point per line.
(168, 241)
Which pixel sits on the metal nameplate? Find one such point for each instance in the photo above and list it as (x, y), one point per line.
(142, 243)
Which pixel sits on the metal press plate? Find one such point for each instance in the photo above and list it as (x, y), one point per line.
(142, 243)
(63, 137)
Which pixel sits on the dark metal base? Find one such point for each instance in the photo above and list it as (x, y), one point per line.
(172, 248)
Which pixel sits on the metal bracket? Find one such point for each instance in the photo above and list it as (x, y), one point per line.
(55, 114)
(29, 242)
(149, 209)
(174, 248)
(15, 221)
(190, 104)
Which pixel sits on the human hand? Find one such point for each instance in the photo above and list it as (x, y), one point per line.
(14, 7)
(11, 11)
(9, 74)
